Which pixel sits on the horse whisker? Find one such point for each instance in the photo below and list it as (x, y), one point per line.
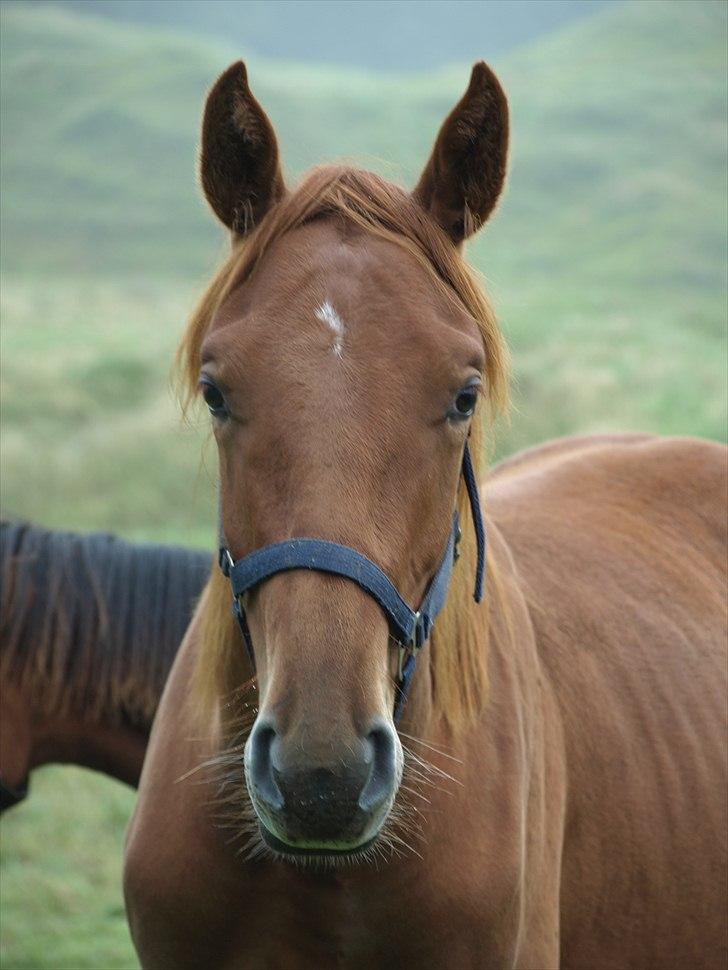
(427, 744)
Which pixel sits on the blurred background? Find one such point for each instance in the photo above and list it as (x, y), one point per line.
(606, 262)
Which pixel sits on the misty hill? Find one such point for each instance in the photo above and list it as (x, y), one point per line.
(606, 260)
(397, 35)
(617, 161)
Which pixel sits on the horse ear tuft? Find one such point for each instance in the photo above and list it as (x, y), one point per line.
(464, 177)
(239, 167)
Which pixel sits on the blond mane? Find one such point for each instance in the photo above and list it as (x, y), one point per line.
(458, 647)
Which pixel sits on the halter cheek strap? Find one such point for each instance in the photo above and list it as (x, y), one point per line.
(410, 628)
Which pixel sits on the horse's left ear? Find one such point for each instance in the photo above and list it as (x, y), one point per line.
(239, 166)
(466, 171)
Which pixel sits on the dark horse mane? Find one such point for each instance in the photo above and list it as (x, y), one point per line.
(90, 624)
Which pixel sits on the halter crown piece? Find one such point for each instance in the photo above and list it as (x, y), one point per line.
(410, 628)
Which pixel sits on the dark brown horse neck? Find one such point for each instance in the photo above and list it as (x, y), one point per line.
(33, 738)
(113, 749)
(89, 626)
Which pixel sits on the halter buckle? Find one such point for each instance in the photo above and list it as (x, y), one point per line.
(225, 560)
(405, 650)
(401, 656)
(413, 646)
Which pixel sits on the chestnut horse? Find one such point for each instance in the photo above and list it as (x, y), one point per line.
(89, 627)
(551, 796)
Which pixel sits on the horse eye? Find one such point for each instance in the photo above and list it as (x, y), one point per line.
(465, 402)
(213, 399)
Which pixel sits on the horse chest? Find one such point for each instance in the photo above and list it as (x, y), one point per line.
(220, 912)
(194, 901)
(303, 921)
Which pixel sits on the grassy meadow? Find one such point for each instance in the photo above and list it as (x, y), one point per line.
(606, 263)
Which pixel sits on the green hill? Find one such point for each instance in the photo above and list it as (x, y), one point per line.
(619, 140)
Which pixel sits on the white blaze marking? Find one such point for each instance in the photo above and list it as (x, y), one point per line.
(326, 314)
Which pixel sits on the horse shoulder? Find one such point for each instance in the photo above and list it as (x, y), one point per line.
(175, 910)
(547, 453)
(620, 547)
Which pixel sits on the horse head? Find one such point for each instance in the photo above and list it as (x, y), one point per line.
(343, 361)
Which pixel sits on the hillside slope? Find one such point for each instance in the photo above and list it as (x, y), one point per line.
(606, 260)
(618, 149)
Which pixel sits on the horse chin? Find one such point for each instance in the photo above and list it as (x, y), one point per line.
(313, 853)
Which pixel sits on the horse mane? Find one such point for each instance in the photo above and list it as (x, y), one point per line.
(457, 652)
(90, 624)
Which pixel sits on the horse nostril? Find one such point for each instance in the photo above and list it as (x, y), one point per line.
(382, 777)
(260, 770)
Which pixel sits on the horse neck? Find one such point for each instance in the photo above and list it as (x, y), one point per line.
(114, 749)
(471, 644)
(90, 626)
(16, 738)
(32, 737)
(451, 686)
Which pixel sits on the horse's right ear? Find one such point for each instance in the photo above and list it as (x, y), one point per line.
(239, 167)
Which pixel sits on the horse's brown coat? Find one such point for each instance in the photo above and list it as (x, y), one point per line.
(581, 819)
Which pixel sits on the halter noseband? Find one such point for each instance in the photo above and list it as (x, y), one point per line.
(410, 628)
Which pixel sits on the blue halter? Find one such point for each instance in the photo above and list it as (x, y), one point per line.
(410, 628)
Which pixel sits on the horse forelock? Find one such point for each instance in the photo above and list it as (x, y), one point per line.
(90, 624)
(365, 201)
(357, 198)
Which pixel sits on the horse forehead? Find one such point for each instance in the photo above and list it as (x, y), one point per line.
(326, 273)
(340, 253)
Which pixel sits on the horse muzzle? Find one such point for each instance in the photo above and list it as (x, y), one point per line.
(311, 803)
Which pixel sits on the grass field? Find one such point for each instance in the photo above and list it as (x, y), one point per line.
(61, 874)
(606, 263)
